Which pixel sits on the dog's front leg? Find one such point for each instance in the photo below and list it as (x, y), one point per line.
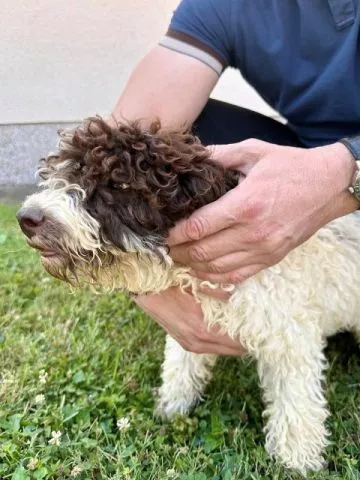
(291, 373)
(184, 377)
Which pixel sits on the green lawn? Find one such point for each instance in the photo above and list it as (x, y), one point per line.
(75, 363)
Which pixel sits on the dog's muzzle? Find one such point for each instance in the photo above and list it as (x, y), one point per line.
(30, 220)
(33, 223)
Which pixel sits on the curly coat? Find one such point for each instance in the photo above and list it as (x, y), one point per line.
(139, 181)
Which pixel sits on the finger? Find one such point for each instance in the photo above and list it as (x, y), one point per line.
(214, 292)
(234, 277)
(235, 155)
(228, 263)
(213, 348)
(217, 293)
(221, 350)
(209, 219)
(222, 343)
(169, 306)
(210, 342)
(213, 247)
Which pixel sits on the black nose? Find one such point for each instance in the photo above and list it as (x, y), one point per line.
(30, 219)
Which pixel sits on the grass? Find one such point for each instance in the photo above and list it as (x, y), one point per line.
(76, 363)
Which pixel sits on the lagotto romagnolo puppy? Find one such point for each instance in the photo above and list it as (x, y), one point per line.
(109, 197)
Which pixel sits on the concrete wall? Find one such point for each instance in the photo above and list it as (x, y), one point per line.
(61, 61)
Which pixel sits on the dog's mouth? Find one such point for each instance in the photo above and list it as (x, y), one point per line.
(48, 254)
(61, 264)
(44, 251)
(55, 262)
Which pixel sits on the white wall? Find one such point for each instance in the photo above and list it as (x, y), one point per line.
(62, 60)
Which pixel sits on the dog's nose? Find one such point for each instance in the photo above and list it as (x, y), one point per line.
(30, 219)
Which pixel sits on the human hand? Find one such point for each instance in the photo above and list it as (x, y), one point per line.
(288, 194)
(181, 316)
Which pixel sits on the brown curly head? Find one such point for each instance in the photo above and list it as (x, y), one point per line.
(118, 189)
(139, 181)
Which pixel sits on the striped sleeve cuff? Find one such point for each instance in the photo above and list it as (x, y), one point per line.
(190, 46)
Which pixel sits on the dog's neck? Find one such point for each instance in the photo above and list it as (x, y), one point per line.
(143, 273)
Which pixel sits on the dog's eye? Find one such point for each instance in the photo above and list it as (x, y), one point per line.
(120, 186)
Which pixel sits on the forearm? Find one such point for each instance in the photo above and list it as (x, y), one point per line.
(166, 85)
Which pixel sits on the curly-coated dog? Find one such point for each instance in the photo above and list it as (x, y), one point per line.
(110, 196)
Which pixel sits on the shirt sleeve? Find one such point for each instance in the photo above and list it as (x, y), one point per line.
(202, 29)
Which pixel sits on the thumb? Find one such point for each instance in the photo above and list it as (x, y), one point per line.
(241, 155)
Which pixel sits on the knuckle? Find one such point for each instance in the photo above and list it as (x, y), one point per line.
(185, 342)
(262, 235)
(198, 254)
(195, 228)
(253, 208)
(273, 239)
(274, 256)
(281, 239)
(192, 346)
(215, 267)
(251, 143)
(201, 333)
(238, 277)
(197, 347)
(231, 218)
(186, 346)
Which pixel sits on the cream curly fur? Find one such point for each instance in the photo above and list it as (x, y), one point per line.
(282, 317)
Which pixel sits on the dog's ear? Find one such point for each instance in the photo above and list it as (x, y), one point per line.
(182, 175)
(126, 222)
(141, 181)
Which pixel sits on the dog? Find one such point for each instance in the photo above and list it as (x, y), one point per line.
(109, 196)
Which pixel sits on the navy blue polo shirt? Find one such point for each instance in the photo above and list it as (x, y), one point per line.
(301, 56)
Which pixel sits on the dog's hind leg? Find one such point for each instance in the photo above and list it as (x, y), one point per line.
(184, 377)
(291, 370)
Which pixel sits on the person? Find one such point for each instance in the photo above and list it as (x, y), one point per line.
(303, 58)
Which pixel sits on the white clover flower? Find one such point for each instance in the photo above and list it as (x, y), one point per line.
(171, 472)
(55, 438)
(39, 399)
(33, 463)
(127, 472)
(183, 450)
(75, 471)
(43, 377)
(123, 424)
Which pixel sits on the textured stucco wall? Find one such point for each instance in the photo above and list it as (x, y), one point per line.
(62, 60)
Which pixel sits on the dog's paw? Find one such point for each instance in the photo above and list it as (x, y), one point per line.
(305, 465)
(169, 408)
(301, 456)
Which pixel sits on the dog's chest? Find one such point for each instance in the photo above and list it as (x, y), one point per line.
(314, 286)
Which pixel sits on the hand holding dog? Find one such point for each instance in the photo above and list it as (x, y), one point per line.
(181, 317)
(289, 193)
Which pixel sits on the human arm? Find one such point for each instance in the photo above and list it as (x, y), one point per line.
(166, 85)
(174, 80)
